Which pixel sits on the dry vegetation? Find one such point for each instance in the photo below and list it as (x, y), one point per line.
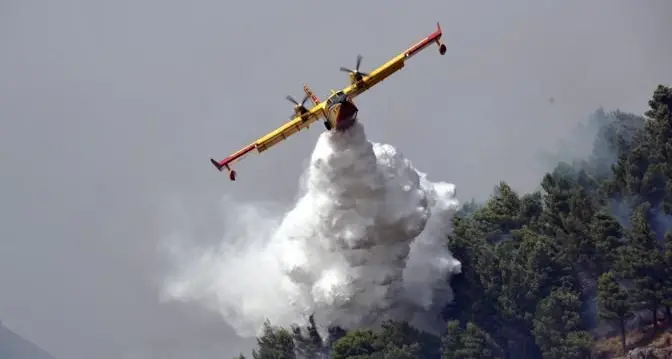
(644, 340)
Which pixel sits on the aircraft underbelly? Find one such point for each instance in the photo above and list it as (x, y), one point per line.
(343, 115)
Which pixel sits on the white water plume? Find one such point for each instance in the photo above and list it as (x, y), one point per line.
(363, 244)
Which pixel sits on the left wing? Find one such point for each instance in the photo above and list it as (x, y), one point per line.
(293, 126)
(395, 64)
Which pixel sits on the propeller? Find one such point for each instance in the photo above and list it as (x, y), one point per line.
(356, 73)
(300, 108)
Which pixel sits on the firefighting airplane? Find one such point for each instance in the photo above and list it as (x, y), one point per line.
(338, 111)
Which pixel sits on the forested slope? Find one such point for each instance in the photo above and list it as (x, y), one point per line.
(546, 274)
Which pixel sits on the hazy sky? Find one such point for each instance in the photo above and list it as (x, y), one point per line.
(111, 110)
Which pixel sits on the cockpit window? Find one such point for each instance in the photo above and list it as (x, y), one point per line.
(335, 98)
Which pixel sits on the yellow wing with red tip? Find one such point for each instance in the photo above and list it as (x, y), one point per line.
(291, 127)
(361, 82)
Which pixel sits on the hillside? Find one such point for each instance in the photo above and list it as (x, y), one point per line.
(642, 340)
(13, 346)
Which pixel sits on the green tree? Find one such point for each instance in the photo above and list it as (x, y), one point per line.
(644, 170)
(613, 302)
(401, 337)
(395, 340)
(558, 328)
(451, 341)
(659, 131)
(471, 342)
(274, 343)
(644, 266)
(476, 344)
(501, 214)
(478, 284)
(532, 267)
(605, 232)
(357, 344)
(667, 275)
(335, 333)
(614, 138)
(557, 187)
(531, 208)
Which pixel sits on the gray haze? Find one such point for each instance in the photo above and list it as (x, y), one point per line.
(110, 111)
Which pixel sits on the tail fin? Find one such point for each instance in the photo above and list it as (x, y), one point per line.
(311, 94)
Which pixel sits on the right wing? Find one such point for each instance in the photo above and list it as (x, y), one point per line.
(395, 64)
(376, 76)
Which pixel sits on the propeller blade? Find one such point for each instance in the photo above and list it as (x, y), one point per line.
(345, 69)
(304, 100)
(359, 62)
(291, 99)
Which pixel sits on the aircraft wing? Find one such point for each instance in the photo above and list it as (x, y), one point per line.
(395, 64)
(293, 126)
(376, 76)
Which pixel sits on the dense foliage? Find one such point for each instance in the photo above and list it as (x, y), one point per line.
(542, 271)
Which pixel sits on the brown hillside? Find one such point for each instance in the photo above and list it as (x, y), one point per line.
(641, 343)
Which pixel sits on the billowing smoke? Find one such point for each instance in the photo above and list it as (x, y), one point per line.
(364, 243)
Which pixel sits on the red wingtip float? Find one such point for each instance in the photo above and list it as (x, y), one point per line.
(220, 165)
(338, 112)
(236, 156)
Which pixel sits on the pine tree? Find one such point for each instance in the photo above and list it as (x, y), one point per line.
(471, 342)
(274, 343)
(475, 344)
(558, 327)
(451, 341)
(667, 275)
(644, 265)
(605, 232)
(613, 302)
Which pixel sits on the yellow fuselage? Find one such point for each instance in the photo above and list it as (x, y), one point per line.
(341, 112)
